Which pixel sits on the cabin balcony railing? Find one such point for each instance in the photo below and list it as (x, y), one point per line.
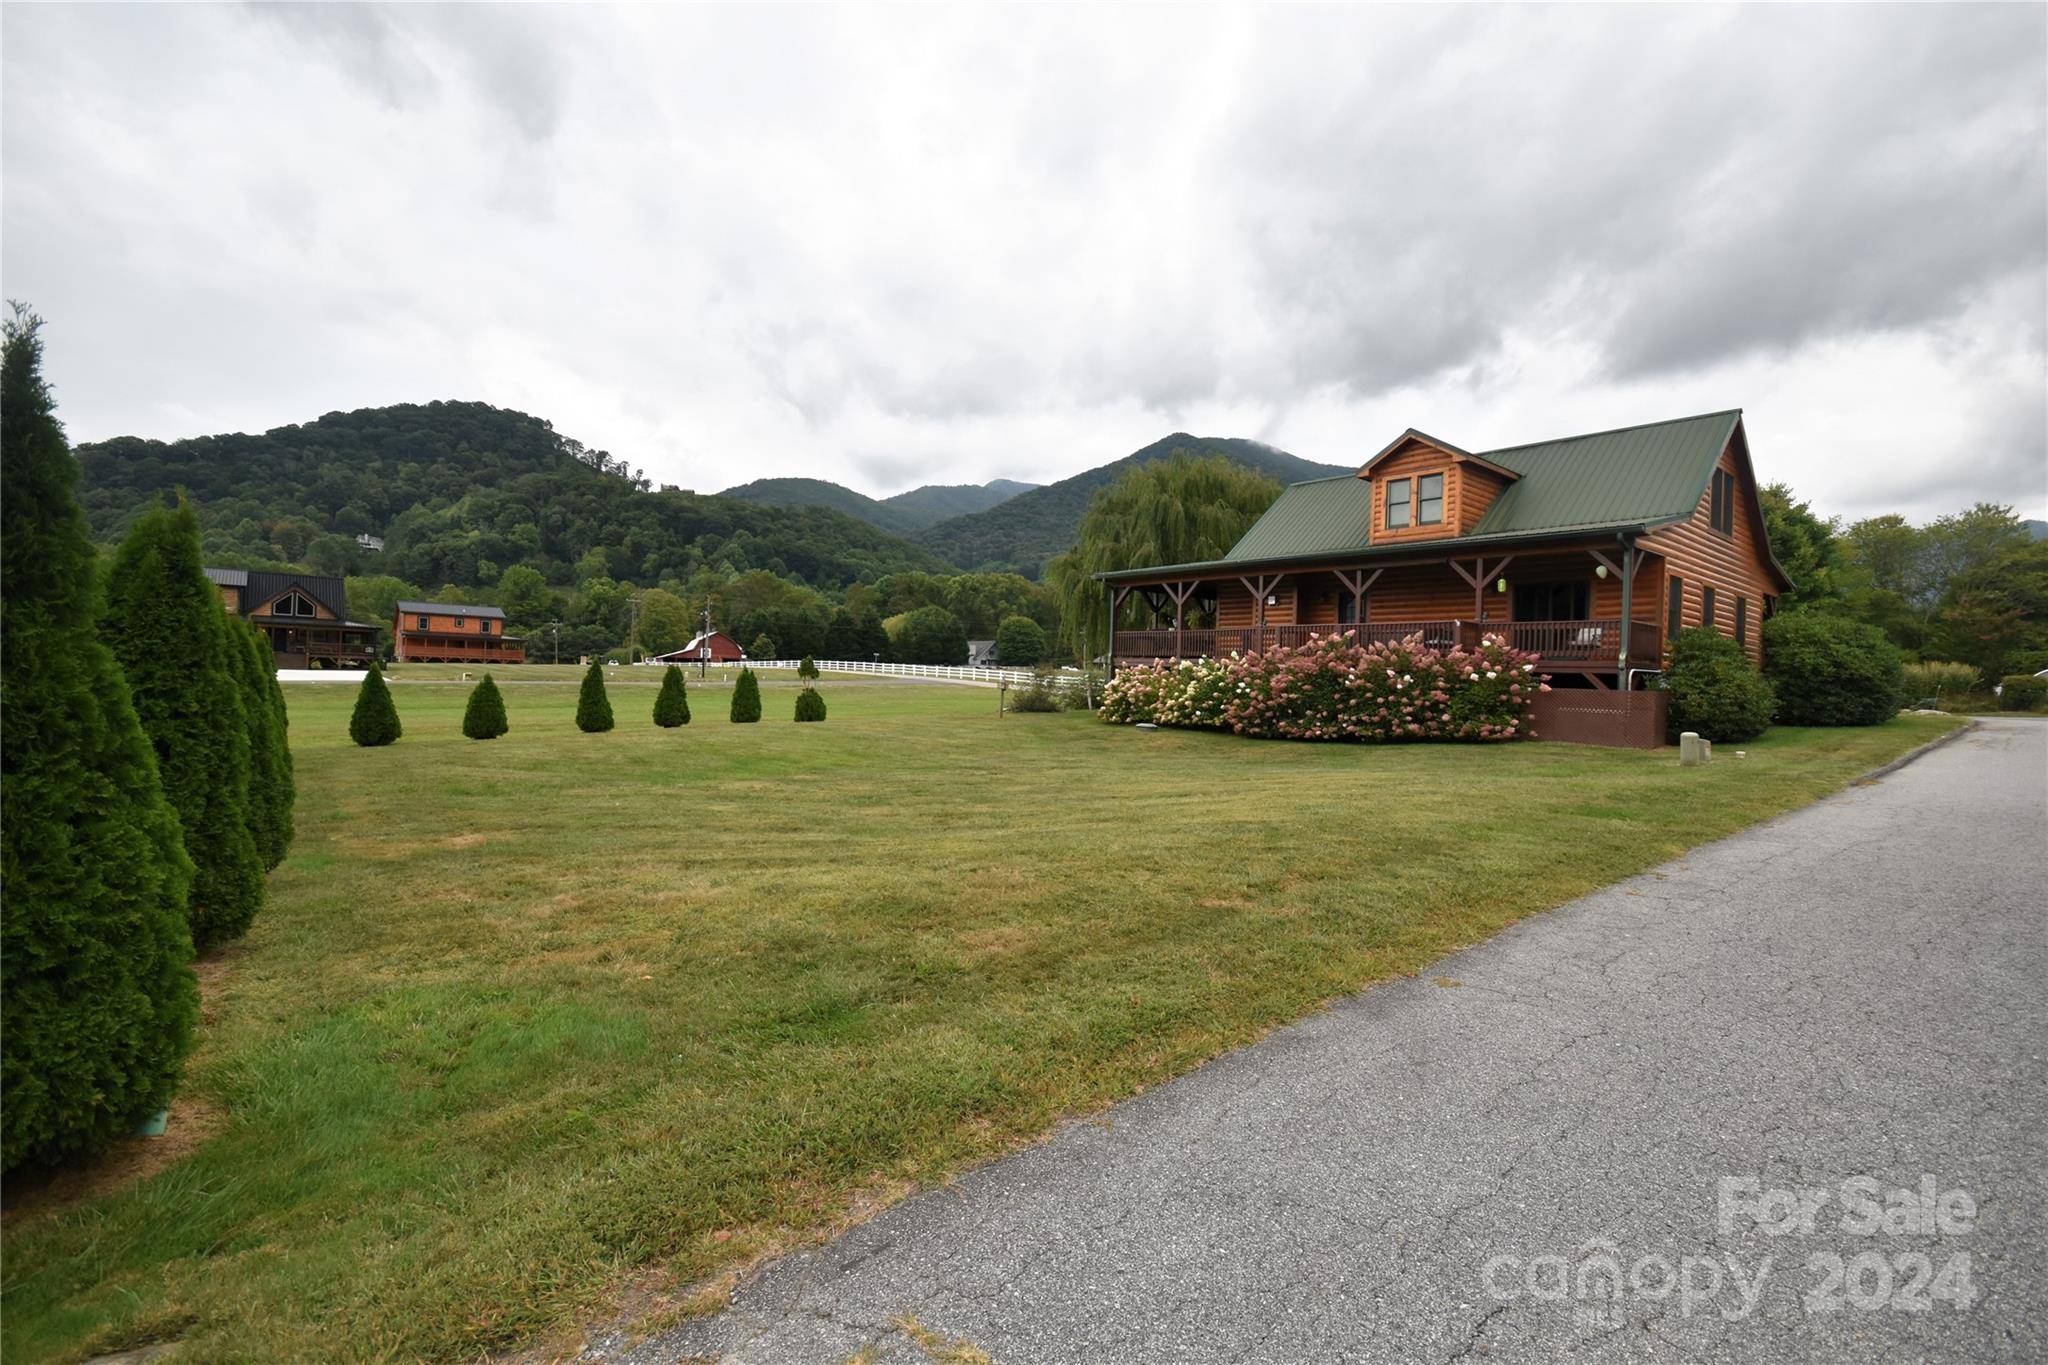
(1566, 644)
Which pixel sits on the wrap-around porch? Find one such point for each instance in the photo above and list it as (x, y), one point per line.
(1564, 605)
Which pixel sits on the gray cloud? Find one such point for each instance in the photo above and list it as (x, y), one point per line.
(897, 246)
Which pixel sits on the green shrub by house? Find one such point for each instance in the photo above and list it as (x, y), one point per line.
(1828, 670)
(746, 699)
(166, 626)
(672, 703)
(1020, 642)
(2022, 692)
(97, 998)
(484, 717)
(809, 705)
(1714, 691)
(593, 707)
(807, 668)
(374, 722)
(1040, 694)
(270, 755)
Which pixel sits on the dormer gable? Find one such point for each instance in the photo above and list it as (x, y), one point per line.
(1427, 489)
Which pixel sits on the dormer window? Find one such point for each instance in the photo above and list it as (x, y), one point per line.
(1429, 500)
(1397, 503)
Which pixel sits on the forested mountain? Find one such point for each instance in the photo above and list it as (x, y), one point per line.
(1023, 532)
(460, 492)
(903, 513)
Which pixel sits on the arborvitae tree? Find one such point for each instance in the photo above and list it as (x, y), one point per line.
(375, 719)
(593, 708)
(746, 699)
(270, 759)
(809, 705)
(168, 629)
(672, 704)
(484, 717)
(97, 998)
(808, 668)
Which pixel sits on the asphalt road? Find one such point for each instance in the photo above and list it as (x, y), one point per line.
(1692, 1073)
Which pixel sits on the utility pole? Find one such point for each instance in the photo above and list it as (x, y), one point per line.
(704, 643)
(556, 627)
(633, 636)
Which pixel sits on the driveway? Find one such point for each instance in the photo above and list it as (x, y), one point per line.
(1790, 1088)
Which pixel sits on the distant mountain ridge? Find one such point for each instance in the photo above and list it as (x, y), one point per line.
(902, 514)
(1022, 532)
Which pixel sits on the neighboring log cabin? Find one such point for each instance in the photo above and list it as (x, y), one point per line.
(304, 616)
(452, 633)
(1590, 551)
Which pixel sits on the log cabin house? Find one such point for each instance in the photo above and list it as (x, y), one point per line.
(453, 633)
(304, 616)
(1589, 551)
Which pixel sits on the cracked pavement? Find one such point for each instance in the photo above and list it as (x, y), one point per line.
(1853, 989)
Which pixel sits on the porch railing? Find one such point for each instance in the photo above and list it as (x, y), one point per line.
(1564, 643)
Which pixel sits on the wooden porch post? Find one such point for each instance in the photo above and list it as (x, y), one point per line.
(1116, 601)
(1631, 558)
(1478, 577)
(1180, 592)
(1357, 585)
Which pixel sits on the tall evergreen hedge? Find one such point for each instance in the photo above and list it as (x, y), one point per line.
(746, 698)
(374, 722)
(97, 998)
(484, 717)
(593, 707)
(165, 622)
(672, 704)
(270, 755)
(810, 705)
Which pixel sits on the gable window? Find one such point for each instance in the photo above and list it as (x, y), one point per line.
(1429, 500)
(1397, 503)
(1742, 620)
(1707, 608)
(1674, 608)
(422, 622)
(1721, 504)
(293, 604)
(483, 623)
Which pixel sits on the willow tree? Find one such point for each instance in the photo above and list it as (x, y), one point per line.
(1179, 510)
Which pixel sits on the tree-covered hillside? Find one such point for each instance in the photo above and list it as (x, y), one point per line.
(1021, 534)
(460, 492)
(902, 514)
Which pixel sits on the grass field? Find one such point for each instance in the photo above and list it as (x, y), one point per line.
(538, 1027)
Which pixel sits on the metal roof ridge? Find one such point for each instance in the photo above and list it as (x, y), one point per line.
(1615, 431)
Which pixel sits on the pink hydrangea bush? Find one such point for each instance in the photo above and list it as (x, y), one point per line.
(1334, 688)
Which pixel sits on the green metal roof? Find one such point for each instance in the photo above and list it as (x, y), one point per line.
(1627, 479)
(1309, 518)
(1645, 474)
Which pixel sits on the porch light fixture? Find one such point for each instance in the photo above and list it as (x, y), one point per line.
(1500, 585)
(1271, 600)
(1599, 571)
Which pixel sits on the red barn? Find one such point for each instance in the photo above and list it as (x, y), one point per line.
(723, 651)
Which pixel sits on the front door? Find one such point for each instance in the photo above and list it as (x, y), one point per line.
(1550, 601)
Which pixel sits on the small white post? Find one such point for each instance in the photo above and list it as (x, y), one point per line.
(1691, 750)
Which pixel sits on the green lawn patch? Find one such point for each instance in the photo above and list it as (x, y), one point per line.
(529, 1023)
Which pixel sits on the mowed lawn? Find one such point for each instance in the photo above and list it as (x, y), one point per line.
(536, 1028)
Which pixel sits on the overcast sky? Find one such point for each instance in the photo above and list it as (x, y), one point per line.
(914, 245)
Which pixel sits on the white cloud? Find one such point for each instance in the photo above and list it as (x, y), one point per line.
(906, 245)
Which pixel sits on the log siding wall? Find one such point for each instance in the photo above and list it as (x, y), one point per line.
(1735, 565)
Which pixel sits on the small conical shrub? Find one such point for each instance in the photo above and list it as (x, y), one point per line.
(166, 626)
(672, 705)
(746, 699)
(375, 720)
(97, 998)
(593, 708)
(484, 717)
(808, 668)
(809, 705)
(270, 761)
